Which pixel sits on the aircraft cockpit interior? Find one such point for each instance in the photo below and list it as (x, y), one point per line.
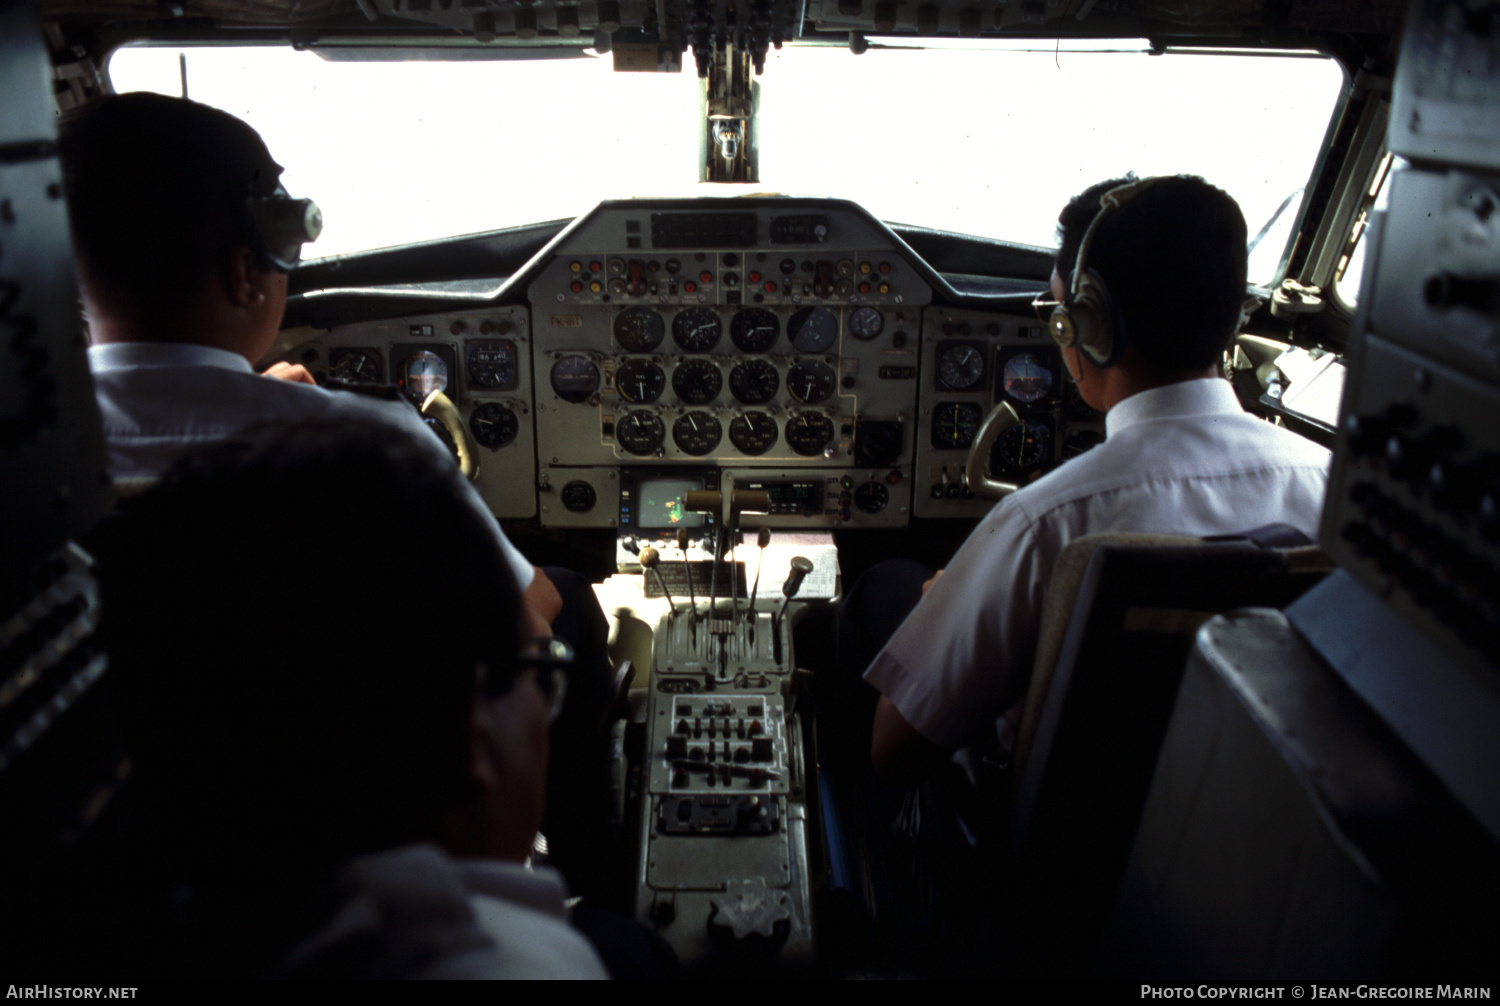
(721, 304)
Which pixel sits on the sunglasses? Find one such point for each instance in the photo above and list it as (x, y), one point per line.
(550, 657)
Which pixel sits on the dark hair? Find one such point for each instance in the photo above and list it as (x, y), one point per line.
(294, 621)
(1174, 261)
(158, 195)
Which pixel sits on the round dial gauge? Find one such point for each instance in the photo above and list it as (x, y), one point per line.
(640, 381)
(639, 329)
(575, 378)
(697, 382)
(812, 329)
(578, 496)
(754, 330)
(811, 381)
(809, 433)
(492, 364)
(960, 366)
(866, 323)
(754, 382)
(357, 366)
(1022, 448)
(697, 329)
(954, 425)
(494, 425)
(872, 497)
(422, 374)
(640, 432)
(753, 433)
(1026, 377)
(696, 433)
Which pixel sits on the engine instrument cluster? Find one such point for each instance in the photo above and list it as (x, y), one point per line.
(765, 341)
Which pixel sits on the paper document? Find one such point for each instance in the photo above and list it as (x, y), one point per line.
(821, 584)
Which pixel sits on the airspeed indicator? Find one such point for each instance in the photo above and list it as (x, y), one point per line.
(960, 366)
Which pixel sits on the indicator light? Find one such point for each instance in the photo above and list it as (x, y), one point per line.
(864, 288)
(864, 267)
(595, 286)
(576, 286)
(705, 277)
(575, 266)
(595, 266)
(885, 288)
(770, 288)
(885, 267)
(754, 277)
(690, 286)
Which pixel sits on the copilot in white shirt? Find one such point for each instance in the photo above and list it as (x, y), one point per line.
(1184, 459)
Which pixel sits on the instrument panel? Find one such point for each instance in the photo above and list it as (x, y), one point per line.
(480, 359)
(971, 362)
(790, 345)
(767, 343)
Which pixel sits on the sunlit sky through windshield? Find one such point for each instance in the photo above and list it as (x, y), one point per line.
(962, 138)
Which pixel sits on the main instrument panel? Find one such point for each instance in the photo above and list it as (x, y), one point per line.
(789, 345)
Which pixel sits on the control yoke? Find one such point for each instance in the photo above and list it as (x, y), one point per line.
(1002, 418)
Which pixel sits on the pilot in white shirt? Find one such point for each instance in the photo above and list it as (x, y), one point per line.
(183, 237)
(160, 400)
(1163, 267)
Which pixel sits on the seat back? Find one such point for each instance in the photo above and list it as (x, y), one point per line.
(1097, 712)
(1290, 834)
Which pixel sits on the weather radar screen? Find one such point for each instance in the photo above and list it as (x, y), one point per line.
(660, 504)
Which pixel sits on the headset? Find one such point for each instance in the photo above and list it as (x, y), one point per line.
(283, 224)
(1089, 319)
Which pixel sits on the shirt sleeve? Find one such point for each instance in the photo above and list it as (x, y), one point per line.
(411, 421)
(965, 652)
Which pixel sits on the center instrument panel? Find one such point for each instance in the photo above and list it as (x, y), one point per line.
(774, 346)
(785, 345)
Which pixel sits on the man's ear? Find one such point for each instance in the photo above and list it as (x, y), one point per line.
(249, 283)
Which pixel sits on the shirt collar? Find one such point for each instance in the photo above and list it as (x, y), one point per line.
(1201, 397)
(138, 355)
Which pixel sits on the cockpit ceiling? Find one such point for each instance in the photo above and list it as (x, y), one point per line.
(549, 20)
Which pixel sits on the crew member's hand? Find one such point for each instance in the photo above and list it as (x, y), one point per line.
(289, 372)
(540, 603)
(929, 583)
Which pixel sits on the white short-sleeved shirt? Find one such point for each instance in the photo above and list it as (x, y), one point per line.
(414, 912)
(1183, 459)
(160, 400)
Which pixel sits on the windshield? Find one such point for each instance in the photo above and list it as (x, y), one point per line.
(973, 137)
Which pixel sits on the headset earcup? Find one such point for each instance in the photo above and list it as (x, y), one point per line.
(1095, 319)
